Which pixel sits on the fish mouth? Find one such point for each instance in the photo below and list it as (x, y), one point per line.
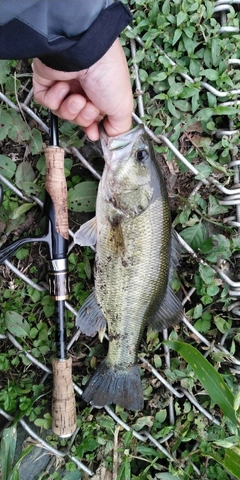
(120, 146)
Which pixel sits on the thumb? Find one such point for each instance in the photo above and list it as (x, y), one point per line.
(116, 126)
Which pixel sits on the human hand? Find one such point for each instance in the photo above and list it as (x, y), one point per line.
(86, 96)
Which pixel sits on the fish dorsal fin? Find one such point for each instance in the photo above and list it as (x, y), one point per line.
(176, 250)
(170, 311)
(86, 235)
(90, 319)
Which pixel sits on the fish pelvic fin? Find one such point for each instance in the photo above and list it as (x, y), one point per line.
(169, 313)
(112, 385)
(90, 319)
(86, 235)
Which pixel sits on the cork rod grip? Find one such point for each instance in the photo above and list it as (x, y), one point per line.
(63, 399)
(56, 186)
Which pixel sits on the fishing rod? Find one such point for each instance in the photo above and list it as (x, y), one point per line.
(56, 237)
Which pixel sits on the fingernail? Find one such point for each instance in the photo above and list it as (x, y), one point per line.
(88, 114)
(62, 93)
(74, 107)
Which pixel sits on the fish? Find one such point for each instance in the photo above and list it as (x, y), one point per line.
(136, 255)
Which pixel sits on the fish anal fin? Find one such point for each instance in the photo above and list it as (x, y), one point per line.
(111, 385)
(86, 235)
(170, 311)
(90, 319)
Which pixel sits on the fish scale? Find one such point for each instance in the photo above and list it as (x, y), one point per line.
(135, 257)
(131, 288)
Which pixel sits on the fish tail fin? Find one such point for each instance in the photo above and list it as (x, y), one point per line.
(112, 385)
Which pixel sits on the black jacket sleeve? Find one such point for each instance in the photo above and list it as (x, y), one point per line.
(67, 35)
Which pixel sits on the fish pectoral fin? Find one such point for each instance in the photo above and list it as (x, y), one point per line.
(90, 319)
(170, 311)
(86, 235)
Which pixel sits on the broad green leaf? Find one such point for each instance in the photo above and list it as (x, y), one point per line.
(24, 173)
(156, 77)
(232, 461)
(4, 362)
(189, 91)
(36, 142)
(16, 324)
(7, 166)
(166, 8)
(182, 105)
(143, 422)
(5, 69)
(75, 475)
(19, 130)
(143, 75)
(205, 114)
(22, 253)
(195, 235)
(222, 325)
(194, 67)
(216, 165)
(177, 35)
(31, 188)
(172, 109)
(212, 290)
(221, 248)
(204, 171)
(226, 111)
(5, 122)
(12, 85)
(82, 198)
(156, 122)
(207, 274)
(175, 89)
(18, 212)
(161, 416)
(203, 325)
(139, 56)
(197, 312)
(87, 445)
(188, 42)
(8, 446)
(211, 380)
(181, 17)
(41, 165)
(210, 74)
(67, 166)
(147, 451)
(213, 206)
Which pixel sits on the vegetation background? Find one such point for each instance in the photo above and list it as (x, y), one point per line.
(176, 49)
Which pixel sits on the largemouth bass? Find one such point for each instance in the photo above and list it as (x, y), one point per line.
(135, 257)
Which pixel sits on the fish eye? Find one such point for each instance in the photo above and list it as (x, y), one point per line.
(141, 155)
